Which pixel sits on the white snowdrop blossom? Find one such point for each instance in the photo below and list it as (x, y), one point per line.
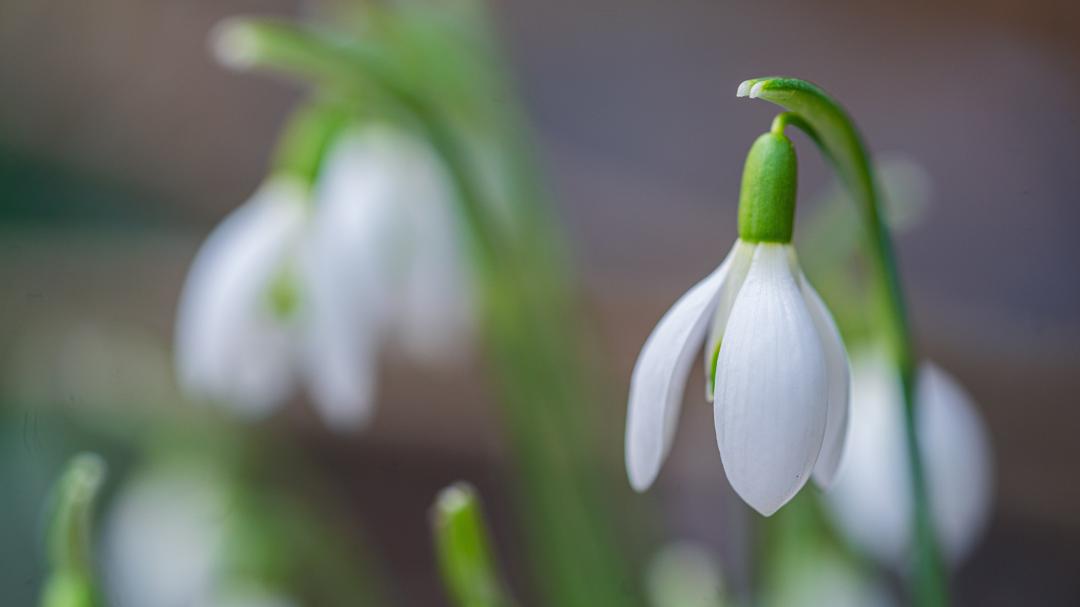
(166, 544)
(773, 354)
(299, 285)
(164, 540)
(781, 377)
(871, 499)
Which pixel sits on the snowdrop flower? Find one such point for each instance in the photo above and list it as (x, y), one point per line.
(165, 540)
(167, 544)
(308, 283)
(871, 499)
(772, 352)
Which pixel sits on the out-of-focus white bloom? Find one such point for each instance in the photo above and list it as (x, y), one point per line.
(164, 538)
(166, 543)
(684, 574)
(871, 499)
(820, 579)
(781, 377)
(385, 260)
(251, 597)
(286, 288)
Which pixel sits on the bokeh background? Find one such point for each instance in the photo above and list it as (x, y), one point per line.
(122, 143)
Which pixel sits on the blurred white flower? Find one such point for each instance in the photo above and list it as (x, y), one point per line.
(164, 538)
(684, 574)
(818, 579)
(871, 499)
(385, 260)
(288, 287)
(166, 541)
(781, 377)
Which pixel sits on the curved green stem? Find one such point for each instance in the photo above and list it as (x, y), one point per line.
(826, 122)
(306, 139)
(71, 576)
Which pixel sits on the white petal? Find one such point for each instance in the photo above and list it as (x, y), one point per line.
(341, 369)
(659, 378)
(231, 346)
(958, 458)
(871, 498)
(771, 386)
(740, 265)
(346, 281)
(839, 385)
(435, 313)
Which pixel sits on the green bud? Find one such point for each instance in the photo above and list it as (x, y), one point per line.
(767, 197)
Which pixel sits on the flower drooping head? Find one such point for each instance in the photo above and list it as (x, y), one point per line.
(776, 368)
(306, 282)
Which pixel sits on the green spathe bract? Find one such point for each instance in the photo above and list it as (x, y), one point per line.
(767, 197)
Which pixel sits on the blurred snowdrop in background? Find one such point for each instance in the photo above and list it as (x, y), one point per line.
(311, 285)
(870, 501)
(385, 264)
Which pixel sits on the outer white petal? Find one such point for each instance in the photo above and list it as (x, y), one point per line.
(230, 346)
(659, 378)
(434, 314)
(771, 386)
(346, 276)
(839, 378)
(871, 499)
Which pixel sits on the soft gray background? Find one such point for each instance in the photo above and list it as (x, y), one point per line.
(634, 105)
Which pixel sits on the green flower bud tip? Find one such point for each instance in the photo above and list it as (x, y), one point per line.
(767, 197)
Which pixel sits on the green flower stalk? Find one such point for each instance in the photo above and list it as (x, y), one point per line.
(825, 121)
(463, 549)
(71, 581)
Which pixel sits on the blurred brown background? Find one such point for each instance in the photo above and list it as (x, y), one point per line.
(635, 109)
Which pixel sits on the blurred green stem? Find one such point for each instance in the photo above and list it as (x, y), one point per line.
(71, 576)
(307, 137)
(534, 338)
(829, 126)
(463, 549)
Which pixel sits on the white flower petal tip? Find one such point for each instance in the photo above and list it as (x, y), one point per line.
(744, 89)
(342, 383)
(755, 91)
(771, 401)
(659, 378)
